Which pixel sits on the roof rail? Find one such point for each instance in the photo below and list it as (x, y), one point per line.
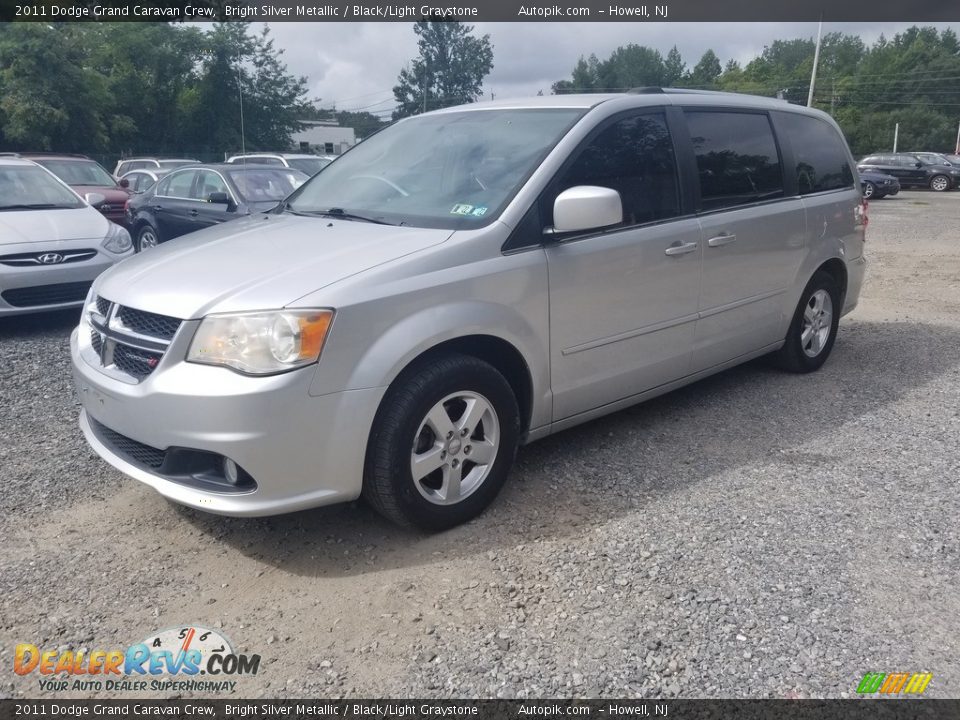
(649, 90)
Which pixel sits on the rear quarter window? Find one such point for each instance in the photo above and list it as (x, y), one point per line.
(820, 154)
(737, 158)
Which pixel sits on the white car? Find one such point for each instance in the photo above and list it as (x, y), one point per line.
(52, 242)
(309, 164)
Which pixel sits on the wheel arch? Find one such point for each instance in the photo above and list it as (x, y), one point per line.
(495, 351)
(836, 268)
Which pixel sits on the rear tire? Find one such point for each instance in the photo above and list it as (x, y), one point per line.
(813, 329)
(147, 237)
(442, 443)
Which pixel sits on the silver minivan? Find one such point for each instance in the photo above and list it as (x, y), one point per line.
(462, 283)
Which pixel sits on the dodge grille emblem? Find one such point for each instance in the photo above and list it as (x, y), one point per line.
(50, 258)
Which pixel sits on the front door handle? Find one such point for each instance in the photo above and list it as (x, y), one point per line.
(681, 249)
(194, 213)
(721, 239)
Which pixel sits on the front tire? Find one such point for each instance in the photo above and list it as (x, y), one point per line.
(813, 329)
(869, 190)
(442, 443)
(939, 183)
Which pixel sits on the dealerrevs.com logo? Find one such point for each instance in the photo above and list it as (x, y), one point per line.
(184, 659)
(894, 683)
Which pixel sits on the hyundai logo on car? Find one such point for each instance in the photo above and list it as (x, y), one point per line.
(51, 258)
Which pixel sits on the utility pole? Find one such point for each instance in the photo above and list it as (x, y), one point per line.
(896, 135)
(816, 59)
(833, 94)
(956, 150)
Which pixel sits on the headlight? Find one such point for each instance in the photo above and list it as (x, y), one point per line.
(261, 343)
(117, 240)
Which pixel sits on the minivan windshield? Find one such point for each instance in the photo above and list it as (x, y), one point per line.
(448, 170)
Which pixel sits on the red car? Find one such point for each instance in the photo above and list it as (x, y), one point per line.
(87, 176)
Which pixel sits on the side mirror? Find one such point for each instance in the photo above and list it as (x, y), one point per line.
(94, 199)
(220, 198)
(124, 183)
(586, 207)
(919, 165)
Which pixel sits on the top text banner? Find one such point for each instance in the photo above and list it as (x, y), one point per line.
(638, 11)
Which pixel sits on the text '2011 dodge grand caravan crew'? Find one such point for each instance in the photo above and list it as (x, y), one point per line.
(463, 282)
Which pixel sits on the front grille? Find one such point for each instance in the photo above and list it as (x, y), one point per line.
(32, 259)
(47, 294)
(134, 361)
(147, 323)
(129, 340)
(135, 452)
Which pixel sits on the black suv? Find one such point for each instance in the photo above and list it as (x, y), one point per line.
(912, 171)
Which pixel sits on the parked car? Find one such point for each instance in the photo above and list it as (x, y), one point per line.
(85, 176)
(140, 180)
(199, 196)
(933, 158)
(309, 164)
(465, 281)
(52, 242)
(911, 171)
(150, 163)
(876, 185)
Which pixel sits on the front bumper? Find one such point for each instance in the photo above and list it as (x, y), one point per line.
(55, 278)
(301, 450)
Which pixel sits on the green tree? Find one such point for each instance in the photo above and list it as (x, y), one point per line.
(449, 71)
(52, 99)
(674, 68)
(706, 73)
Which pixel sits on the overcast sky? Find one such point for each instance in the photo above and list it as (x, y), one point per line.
(355, 65)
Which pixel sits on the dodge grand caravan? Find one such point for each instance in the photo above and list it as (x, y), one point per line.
(464, 282)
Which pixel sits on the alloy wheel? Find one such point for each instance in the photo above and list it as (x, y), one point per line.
(817, 323)
(455, 448)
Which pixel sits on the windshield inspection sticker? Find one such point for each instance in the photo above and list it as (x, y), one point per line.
(461, 209)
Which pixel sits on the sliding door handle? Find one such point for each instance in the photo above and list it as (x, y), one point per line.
(721, 239)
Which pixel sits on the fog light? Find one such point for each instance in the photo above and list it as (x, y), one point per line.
(231, 471)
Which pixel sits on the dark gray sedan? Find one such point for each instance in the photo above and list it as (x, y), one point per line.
(199, 196)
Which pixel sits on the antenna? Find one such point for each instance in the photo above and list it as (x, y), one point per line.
(243, 139)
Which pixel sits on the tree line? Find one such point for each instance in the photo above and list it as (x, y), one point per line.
(160, 88)
(912, 79)
(145, 88)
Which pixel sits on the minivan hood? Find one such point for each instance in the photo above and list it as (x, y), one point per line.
(36, 226)
(256, 263)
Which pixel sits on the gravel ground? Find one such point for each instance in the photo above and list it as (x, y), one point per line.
(756, 534)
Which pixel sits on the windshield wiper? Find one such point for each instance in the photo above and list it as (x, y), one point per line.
(35, 206)
(283, 206)
(342, 214)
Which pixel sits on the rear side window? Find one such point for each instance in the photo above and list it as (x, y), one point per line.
(737, 158)
(633, 156)
(819, 152)
(177, 185)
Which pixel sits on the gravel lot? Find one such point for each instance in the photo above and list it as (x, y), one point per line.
(756, 534)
